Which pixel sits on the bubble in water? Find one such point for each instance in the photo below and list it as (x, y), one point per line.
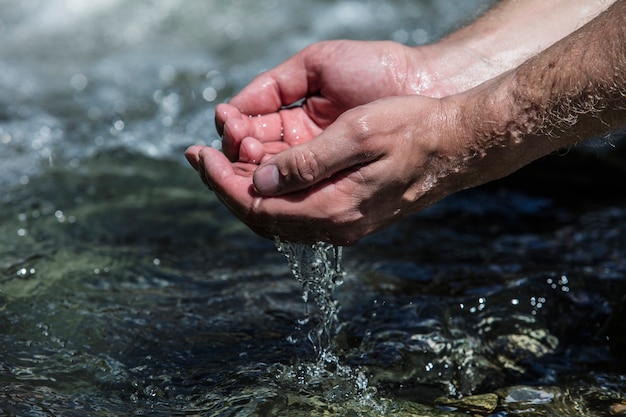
(118, 125)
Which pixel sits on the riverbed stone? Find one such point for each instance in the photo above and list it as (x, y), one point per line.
(480, 403)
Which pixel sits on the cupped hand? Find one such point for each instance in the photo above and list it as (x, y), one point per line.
(295, 101)
(376, 164)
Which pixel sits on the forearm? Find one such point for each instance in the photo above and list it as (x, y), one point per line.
(572, 91)
(577, 88)
(505, 36)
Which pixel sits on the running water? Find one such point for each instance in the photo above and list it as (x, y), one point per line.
(317, 267)
(127, 289)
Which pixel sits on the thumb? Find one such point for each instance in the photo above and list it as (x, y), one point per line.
(306, 164)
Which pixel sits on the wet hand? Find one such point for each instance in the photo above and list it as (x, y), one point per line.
(375, 165)
(319, 83)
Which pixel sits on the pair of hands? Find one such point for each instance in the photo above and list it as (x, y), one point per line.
(339, 141)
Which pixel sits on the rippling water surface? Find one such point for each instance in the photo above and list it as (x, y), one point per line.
(127, 289)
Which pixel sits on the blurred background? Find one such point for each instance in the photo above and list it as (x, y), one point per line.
(126, 288)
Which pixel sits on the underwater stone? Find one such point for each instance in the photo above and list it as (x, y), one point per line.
(481, 403)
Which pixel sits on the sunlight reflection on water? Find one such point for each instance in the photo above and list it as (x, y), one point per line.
(126, 288)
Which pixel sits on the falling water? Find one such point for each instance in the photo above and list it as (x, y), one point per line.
(126, 288)
(317, 267)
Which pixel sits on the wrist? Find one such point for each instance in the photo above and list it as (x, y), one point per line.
(454, 68)
(506, 36)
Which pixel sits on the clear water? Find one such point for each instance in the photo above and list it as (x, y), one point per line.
(317, 267)
(127, 289)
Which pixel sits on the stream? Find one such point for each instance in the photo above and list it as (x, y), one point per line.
(127, 289)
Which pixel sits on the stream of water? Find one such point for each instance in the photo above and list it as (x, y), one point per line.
(317, 268)
(127, 289)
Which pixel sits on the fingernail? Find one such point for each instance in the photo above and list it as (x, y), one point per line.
(267, 180)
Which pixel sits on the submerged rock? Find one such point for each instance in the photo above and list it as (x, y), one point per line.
(526, 395)
(481, 403)
(517, 398)
(618, 409)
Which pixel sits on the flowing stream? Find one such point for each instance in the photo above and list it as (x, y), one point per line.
(128, 289)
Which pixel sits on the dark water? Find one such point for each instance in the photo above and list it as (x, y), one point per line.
(127, 289)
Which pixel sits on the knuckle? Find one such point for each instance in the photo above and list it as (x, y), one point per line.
(304, 166)
(361, 124)
(363, 128)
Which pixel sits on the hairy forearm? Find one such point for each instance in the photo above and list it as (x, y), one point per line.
(577, 88)
(505, 36)
(572, 91)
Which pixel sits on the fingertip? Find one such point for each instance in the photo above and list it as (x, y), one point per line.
(267, 180)
(193, 149)
(213, 166)
(235, 129)
(251, 150)
(221, 116)
(191, 154)
(226, 114)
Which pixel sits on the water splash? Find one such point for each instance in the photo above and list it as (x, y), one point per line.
(318, 269)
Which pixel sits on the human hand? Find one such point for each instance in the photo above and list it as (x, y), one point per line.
(328, 78)
(337, 75)
(342, 169)
(374, 165)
